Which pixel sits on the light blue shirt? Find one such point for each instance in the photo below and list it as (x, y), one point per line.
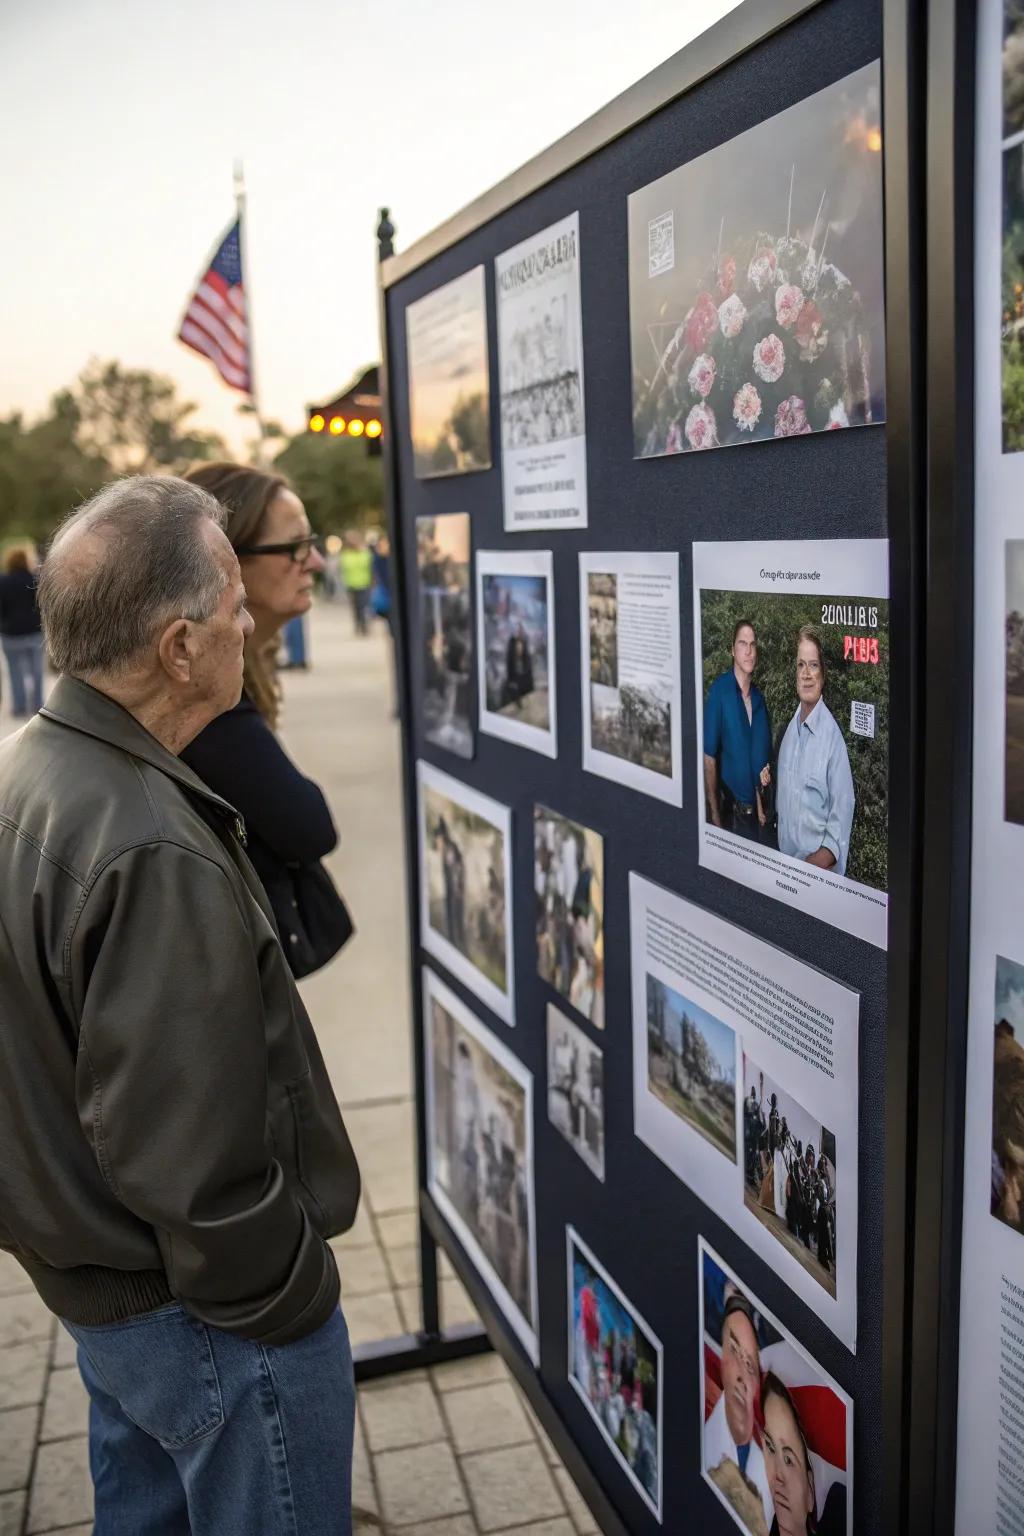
(815, 788)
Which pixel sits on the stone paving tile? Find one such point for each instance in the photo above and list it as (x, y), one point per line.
(12, 1277)
(399, 1231)
(456, 1306)
(67, 1406)
(61, 1488)
(486, 1418)
(371, 1318)
(406, 1414)
(360, 1234)
(404, 1264)
(363, 1271)
(579, 1511)
(420, 1484)
(558, 1527)
(511, 1485)
(23, 1316)
(65, 1350)
(471, 1372)
(364, 1492)
(457, 1525)
(409, 1305)
(553, 1458)
(12, 1513)
(17, 1439)
(23, 1373)
(386, 1383)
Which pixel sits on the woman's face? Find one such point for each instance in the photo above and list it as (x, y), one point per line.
(278, 587)
(810, 679)
(788, 1478)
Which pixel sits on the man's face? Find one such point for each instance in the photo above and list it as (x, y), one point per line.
(810, 680)
(217, 655)
(741, 1376)
(744, 650)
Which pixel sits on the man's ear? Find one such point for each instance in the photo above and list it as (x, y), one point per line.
(175, 652)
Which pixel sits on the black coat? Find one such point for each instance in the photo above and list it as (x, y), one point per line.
(287, 822)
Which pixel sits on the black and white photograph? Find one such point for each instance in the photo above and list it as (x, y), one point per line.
(480, 1151)
(793, 723)
(449, 382)
(756, 281)
(466, 885)
(515, 598)
(616, 1367)
(442, 553)
(629, 670)
(789, 1168)
(776, 1429)
(576, 1089)
(540, 357)
(568, 881)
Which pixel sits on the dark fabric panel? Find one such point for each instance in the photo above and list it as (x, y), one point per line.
(643, 1222)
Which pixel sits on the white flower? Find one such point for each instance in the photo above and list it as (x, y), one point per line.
(769, 358)
(731, 315)
(761, 272)
(702, 428)
(746, 407)
(837, 417)
(702, 375)
(789, 301)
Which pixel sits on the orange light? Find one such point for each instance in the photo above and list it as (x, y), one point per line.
(316, 423)
(337, 425)
(874, 140)
(355, 427)
(373, 428)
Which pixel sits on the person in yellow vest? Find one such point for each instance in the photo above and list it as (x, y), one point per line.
(357, 578)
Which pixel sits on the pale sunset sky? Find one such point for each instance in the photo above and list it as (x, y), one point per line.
(123, 119)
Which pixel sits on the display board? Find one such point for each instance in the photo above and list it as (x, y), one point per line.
(657, 830)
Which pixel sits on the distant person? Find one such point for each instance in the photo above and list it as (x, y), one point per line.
(815, 782)
(380, 591)
(738, 743)
(357, 578)
(288, 824)
(21, 631)
(174, 1160)
(729, 1442)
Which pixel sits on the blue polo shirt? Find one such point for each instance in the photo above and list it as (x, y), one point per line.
(742, 746)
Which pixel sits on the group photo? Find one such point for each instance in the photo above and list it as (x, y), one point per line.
(777, 1431)
(691, 1064)
(789, 1170)
(568, 879)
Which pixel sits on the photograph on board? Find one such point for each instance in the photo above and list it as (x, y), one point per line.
(516, 648)
(1012, 318)
(777, 1436)
(615, 1365)
(789, 1165)
(480, 1151)
(540, 367)
(793, 723)
(745, 1085)
(691, 1064)
(449, 385)
(629, 638)
(755, 281)
(442, 555)
(1008, 1095)
(568, 882)
(576, 1089)
(1015, 681)
(466, 885)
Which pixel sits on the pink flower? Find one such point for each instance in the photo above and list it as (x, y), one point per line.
(811, 336)
(791, 418)
(702, 375)
(702, 428)
(761, 272)
(731, 316)
(769, 358)
(746, 407)
(726, 277)
(701, 322)
(789, 301)
(837, 417)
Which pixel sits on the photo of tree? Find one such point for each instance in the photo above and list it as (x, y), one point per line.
(629, 720)
(691, 1064)
(1015, 681)
(449, 382)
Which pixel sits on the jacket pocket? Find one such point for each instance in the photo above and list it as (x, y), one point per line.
(324, 1163)
(160, 1369)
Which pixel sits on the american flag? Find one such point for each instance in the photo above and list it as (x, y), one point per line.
(215, 322)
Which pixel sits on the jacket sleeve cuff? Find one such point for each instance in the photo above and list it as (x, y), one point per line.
(303, 1303)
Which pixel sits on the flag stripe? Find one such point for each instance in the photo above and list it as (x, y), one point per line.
(202, 315)
(201, 341)
(215, 322)
(216, 301)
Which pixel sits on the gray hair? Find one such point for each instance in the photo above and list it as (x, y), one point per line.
(145, 563)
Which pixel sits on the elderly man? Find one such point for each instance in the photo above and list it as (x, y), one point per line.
(173, 1157)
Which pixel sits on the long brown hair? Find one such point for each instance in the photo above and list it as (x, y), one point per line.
(245, 494)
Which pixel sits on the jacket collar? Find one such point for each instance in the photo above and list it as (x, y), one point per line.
(83, 708)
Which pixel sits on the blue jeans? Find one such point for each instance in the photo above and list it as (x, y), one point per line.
(25, 665)
(195, 1432)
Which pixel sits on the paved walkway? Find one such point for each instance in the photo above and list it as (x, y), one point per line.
(451, 1452)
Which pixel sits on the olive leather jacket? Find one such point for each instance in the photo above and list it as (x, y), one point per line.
(167, 1128)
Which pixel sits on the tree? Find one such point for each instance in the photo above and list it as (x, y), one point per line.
(340, 485)
(44, 472)
(135, 421)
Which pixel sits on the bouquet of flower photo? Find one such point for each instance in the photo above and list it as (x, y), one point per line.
(773, 345)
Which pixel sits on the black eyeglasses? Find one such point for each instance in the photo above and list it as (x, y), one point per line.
(299, 549)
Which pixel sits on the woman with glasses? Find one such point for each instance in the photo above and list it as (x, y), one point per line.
(815, 796)
(289, 828)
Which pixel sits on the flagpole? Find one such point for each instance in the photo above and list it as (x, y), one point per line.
(239, 178)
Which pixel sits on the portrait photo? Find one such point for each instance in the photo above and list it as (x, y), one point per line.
(568, 882)
(756, 281)
(777, 1431)
(480, 1151)
(691, 1064)
(516, 648)
(615, 1366)
(465, 885)
(442, 554)
(576, 1089)
(449, 382)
